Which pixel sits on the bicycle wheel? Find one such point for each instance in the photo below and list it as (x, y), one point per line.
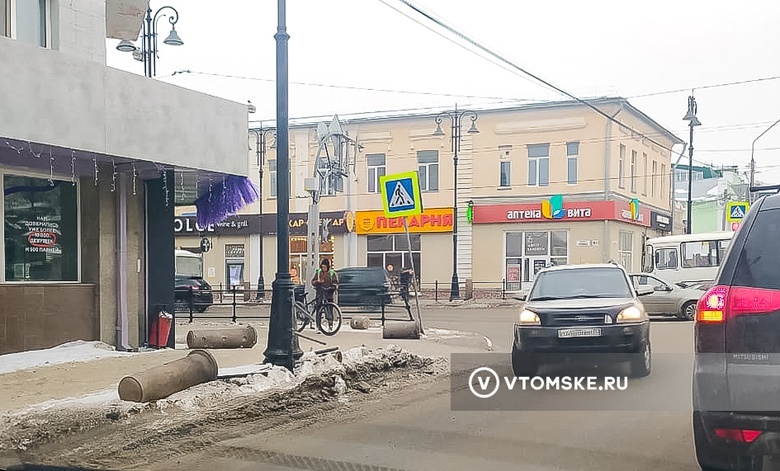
(301, 316)
(329, 318)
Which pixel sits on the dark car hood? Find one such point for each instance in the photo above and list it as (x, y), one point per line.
(580, 303)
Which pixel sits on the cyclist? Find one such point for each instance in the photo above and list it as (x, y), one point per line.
(326, 282)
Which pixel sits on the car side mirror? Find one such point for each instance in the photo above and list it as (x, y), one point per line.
(644, 290)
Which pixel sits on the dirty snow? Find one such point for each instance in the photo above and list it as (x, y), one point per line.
(78, 351)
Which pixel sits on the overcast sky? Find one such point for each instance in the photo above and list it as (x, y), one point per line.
(638, 50)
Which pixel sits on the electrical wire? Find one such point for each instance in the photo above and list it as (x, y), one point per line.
(702, 87)
(548, 84)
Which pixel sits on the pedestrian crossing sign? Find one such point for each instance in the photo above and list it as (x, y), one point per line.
(401, 194)
(736, 210)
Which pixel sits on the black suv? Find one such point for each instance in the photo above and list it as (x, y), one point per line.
(367, 287)
(736, 379)
(195, 291)
(582, 309)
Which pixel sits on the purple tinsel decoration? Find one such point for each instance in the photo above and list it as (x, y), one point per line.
(237, 193)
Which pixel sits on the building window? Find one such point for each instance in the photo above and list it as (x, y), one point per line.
(273, 182)
(41, 229)
(392, 253)
(572, 151)
(662, 179)
(504, 166)
(539, 164)
(26, 21)
(428, 169)
(331, 180)
(626, 249)
(644, 174)
(633, 171)
(653, 178)
(621, 166)
(376, 169)
(529, 252)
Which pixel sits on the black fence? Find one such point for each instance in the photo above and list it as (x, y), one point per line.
(248, 302)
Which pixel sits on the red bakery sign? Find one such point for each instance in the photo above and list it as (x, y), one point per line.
(571, 211)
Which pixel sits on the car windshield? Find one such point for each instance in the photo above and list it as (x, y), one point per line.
(574, 283)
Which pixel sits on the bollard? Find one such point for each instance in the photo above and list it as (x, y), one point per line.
(401, 330)
(237, 337)
(360, 322)
(162, 381)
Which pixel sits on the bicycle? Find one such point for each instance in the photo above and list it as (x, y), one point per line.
(327, 314)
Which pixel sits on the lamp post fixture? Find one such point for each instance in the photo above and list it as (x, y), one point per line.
(283, 348)
(751, 195)
(456, 118)
(148, 52)
(261, 134)
(693, 121)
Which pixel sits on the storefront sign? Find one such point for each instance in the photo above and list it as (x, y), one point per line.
(331, 223)
(555, 210)
(660, 222)
(431, 220)
(234, 225)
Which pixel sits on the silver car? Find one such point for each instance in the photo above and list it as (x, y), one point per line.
(667, 300)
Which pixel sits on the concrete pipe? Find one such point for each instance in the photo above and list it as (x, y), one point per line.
(401, 330)
(360, 322)
(162, 381)
(235, 337)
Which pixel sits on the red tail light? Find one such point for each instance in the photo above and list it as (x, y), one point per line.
(722, 302)
(737, 435)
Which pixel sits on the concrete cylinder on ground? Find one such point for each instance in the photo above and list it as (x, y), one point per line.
(401, 330)
(162, 381)
(237, 337)
(360, 322)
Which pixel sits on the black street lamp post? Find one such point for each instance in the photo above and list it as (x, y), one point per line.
(283, 348)
(261, 134)
(148, 52)
(693, 121)
(456, 118)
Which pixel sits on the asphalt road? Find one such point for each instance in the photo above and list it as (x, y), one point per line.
(418, 429)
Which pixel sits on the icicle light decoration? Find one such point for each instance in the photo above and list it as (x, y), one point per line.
(51, 169)
(73, 167)
(236, 193)
(135, 175)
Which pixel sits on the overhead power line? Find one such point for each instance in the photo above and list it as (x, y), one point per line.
(701, 87)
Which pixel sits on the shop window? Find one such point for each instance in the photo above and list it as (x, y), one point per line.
(40, 230)
(299, 252)
(428, 169)
(391, 252)
(626, 249)
(376, 170)
(529, 252)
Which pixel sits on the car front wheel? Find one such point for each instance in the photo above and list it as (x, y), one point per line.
(642, 362)
(523, 364)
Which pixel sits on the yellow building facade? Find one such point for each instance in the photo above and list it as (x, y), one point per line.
(607, 181)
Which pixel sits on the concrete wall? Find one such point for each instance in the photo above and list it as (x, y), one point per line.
(81, 104)
(78, 28)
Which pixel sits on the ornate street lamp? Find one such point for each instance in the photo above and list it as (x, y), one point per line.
(148, 51)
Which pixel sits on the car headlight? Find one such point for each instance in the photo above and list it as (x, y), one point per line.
(631, 314)
(529, 318)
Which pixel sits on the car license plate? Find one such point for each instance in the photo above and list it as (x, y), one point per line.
(569, 333)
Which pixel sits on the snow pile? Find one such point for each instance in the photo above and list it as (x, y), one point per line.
(78, 351)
